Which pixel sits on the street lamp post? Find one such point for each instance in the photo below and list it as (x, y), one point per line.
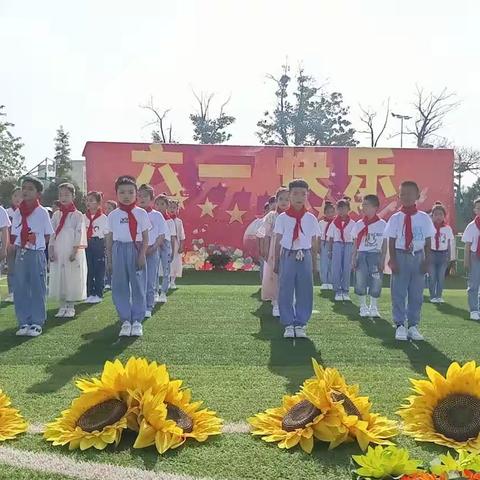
(402, 118)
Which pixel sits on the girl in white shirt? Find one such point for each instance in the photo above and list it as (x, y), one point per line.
(16, 199)
(442, 252)
(325, 260)
(176, 268)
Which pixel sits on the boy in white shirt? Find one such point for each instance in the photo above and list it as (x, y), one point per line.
(410, 233)
(368, 260)
(16, 199)
(4, 226)
(297, 232)
(127, 243)
(471, 238)
(31, 228)
(156, 237)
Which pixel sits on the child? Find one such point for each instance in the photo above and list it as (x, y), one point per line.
(442, 253)
(16, 199)
(296, 246)
(110, 206)
(325, 258)
(168, 247)
(265, 232)
(340, 238)
(176, 267)
(409, 234)
(471, 238)
(31, 228)
(368, 260)
(4, 237)
(127, 243)
(156, 237)
(97, 227)
(66, 251)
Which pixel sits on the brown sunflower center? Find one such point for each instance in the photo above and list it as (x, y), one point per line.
(348, 405)
(300, 415)
(457, 416)
(102, 415)
(179, 417)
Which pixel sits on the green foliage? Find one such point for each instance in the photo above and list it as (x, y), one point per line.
(63, 162)
(313, 117)
(6, 188)
(11, 159)
(464, 205)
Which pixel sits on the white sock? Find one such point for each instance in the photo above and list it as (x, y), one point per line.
(363, 300)
(373, 302)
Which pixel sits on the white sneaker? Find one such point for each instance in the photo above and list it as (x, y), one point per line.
(276, 311)
(330, 286)
(474, 316)
(289, 332)
(346, 297)
(107, 286)
(69, 312)
(414, 334)
(364, 311)
(34, 331)
(324, 286)
(440, 300)
(300, 332)
(23, 331)
(89, 299)
(173, 286)
(338, 297)
(137, 329)
(61, 312)
(374, 313)
(126, 329)
(401, 334)
(96, 299)
(434, 300)
(162, 298)
(148, 314)
(9, 298)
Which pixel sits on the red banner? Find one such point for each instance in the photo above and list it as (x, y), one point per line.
(222, 188)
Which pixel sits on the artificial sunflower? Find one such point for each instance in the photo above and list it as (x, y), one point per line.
(386, 462)
(94, 419)
(357, 421)
(445, 410)
(11, 422)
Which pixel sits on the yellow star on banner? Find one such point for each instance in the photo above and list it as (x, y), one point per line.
(207, 208)
(236, 214)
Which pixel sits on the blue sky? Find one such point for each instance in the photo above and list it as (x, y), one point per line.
(89, 65)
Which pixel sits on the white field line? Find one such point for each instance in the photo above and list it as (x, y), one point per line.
(63, 465)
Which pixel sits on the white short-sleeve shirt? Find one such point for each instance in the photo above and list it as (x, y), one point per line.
(471, 235)
(446, 235)
(373, 240)
(180, 231)
(171, 228)
(285, 225)
(422, 227)
(39, 224)
(323, 224)
(159, 227)
(334, 232)
(100, 226)
(10, 212)
(4, 219)
(118, 224)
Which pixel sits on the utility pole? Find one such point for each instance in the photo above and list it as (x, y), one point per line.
(402, 118)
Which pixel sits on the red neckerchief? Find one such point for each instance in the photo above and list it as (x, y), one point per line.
(26, 209)
(341, 223)
(409, 212)
(438, 226)
(65, 209)
(297, 215)
(477, 223)
(329, 222)
(148, 209)
(364, 230)
(91, 219)
(166, 215)
(132, 221)
(173, 216)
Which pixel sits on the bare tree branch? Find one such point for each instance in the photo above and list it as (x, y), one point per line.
(160, 117)
(368, 117)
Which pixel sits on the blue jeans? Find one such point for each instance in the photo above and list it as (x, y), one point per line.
(368, 279)
(153, 262)
(341, 266)
(30, 287)
(165, 260)
(407, 288)
(438, 269)
(473, 282)
(128, 283)
(295, 281)
(325, 264)
(10, 270)
(95, 254)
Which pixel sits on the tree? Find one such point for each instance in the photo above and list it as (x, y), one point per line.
(161, 134)
(63, 162)
(7, 186)
(368, 118)
(431, 110)
(11, 159)
(313, 116)
(206, 129)
(50, 194)
(467, 160)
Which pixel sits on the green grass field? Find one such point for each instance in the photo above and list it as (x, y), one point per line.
(216, 334)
